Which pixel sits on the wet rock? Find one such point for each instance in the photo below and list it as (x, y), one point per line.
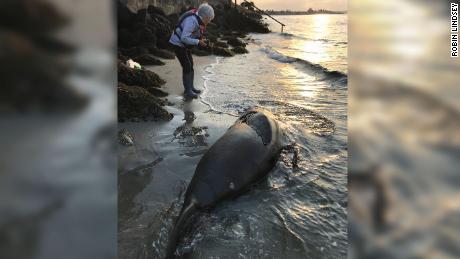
(202, 52)
(235, 42)
(158, 21)
(122, 57)
(161, 53)
(157, 92)
(212, 36)
(235, 19)
(125, 137)
(124, 16)
(133, 52)
(224, 52)
(148, 60)
(221, 44)
(189, 116)
(139, 77)
(240, 50)
(136, 103)
(191, 136)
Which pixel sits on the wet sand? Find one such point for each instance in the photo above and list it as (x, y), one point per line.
(153, 173)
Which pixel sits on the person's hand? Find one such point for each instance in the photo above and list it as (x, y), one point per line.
(202, 43)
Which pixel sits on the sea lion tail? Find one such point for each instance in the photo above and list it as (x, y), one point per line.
(181, 224)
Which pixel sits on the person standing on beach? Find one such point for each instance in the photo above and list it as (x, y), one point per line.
(188, 34)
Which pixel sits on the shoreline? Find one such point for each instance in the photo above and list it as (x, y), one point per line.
(171, 72)
(162, 159)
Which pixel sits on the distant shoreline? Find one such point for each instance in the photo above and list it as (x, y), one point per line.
(302, 13)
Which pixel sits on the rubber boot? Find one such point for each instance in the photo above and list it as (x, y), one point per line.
(193, 83)
(189, 94)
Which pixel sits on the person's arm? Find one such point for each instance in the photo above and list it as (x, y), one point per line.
(189, 26)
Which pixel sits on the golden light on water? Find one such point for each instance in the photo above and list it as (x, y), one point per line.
(315, 48)
(295, 80)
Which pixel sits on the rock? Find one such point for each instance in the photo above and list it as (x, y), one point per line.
(232, 19)
(148, 60)
(133, 52)
(221, 44)
(200, 52)
(136, 35)
(144, 35)
(213, 38)
(222, 52)
(191, 136)
(157, 92)
(235, 42)
(136, 103)
(125, 137)
(240, 50)
(122, 57)
(124, 16)
(139, 77)
(161, 53)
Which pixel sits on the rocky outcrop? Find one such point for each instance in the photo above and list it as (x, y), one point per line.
(237, 19)
(143, 37)
(148, 60)
(148, 28)
(138, 77)
(125, 137)
(240, 50)
(224, 52)
(235, 42)
(137, 104)
(169, 6)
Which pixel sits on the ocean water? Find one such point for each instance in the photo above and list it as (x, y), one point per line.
(300, 76)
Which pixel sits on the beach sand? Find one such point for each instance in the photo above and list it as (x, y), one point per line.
(154, 172)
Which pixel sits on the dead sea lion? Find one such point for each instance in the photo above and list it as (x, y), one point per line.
(243, 156)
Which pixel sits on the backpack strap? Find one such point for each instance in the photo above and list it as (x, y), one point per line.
(182, 18)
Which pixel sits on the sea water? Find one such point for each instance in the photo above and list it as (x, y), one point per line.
(301, 77)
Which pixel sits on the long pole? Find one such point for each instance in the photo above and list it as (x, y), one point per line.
(282, 25)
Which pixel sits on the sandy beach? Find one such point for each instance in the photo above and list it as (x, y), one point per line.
(163, 159)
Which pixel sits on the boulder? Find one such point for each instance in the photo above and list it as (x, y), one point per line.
(134, 51)
(240, 50)
(148, 60)
(161, 53)
(125, 138)
(157, 92)
(221, 44)
(235, 42)
(224, 52)
(139, 77)
(201, 52)
(136, 103)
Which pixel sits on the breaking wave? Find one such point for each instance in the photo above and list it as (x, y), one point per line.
(293, 36)
(328, 74)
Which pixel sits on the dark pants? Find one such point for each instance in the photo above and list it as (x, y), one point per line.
(188, 74)
(185, 58)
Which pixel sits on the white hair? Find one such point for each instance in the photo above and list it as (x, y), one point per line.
(206, 11)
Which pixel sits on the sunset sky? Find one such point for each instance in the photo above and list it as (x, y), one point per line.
(301, 5)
